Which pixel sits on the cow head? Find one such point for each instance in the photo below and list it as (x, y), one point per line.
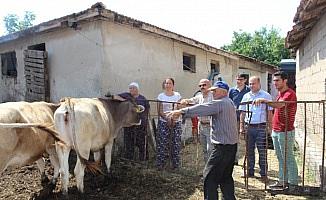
(127, 111)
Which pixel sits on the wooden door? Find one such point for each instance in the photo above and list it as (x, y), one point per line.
(36, 74)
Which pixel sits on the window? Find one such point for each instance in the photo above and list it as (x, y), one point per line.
(215, 66)
(215, 71)
(9, 64)
(247, 77)
(39, 47)
(189, 62)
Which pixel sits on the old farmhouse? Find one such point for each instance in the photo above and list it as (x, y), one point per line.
(86, 54)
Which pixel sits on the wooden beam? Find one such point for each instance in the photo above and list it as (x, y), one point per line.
(36, 66)
(34, 60)
(35, 54)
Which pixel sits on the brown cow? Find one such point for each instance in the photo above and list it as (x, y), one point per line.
(20, 144)
(88, 125)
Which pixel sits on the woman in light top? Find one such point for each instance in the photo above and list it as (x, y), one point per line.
(169, 131)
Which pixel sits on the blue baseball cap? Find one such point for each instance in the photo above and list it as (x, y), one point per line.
(220, 85)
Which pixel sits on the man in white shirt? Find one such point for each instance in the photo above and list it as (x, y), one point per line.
(204, 121)
(256, 120)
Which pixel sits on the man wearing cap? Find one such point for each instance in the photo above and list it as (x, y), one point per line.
(136, 135)
(204, 121)
(224, 137)
(236, 94)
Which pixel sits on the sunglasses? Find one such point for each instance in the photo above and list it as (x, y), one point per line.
(202, 85)
(240, 79)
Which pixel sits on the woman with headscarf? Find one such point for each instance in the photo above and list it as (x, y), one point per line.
(136, 135)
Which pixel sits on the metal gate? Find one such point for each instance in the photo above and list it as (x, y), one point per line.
(36, 75)
(309, 151)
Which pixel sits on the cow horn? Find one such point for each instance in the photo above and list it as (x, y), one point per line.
(118, 97)
(108, 94)
(115, 97)
(140, 109)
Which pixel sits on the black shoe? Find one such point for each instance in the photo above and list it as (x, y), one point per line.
(263, 178)
(294, 188)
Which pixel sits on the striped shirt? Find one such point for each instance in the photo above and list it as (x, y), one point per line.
(224, 119)
(200, 99)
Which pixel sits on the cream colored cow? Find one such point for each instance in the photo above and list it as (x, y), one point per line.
(19, 143)
(87, 125)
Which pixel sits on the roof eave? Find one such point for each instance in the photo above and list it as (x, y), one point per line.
(307, 15)
(98, 11)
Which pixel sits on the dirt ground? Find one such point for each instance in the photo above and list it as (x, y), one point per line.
(135, 180)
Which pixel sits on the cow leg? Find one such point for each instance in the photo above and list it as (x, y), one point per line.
(97, 156)
(79, 174)
(55, 163)
(63, 155)
(51, 150)
(41, 166)
(108, 152)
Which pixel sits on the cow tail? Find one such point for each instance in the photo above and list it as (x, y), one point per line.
(43, 127)
(93, 167)
(53, 133)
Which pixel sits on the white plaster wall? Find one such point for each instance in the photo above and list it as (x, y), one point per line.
(135, 55)
(13, 88)
(74, 62)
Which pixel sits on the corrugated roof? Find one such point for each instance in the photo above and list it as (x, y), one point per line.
(99, 12)
(307, 15)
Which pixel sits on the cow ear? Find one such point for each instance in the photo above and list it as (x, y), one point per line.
(117, 97)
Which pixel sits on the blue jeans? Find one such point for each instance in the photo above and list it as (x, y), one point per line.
(205, 140)
(281, 147)
(218, 172)
(257, 137)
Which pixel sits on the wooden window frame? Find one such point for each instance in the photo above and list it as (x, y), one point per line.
(189, 62)
(9, 64)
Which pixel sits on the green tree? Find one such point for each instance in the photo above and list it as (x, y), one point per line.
(264, 45)
(13, 23)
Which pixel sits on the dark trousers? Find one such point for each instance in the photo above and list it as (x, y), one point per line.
(135, 136)
(257, 137)
(218, 172)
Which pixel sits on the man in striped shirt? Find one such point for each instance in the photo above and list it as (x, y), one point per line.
(224, 137)
(283, 131)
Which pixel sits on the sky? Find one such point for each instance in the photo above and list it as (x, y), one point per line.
(209, 21)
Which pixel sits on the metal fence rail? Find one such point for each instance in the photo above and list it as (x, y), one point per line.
(309, 152)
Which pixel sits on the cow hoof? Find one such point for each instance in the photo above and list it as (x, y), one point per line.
(44, 179)
(52, 186)
(65, 194)
(81, 195)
